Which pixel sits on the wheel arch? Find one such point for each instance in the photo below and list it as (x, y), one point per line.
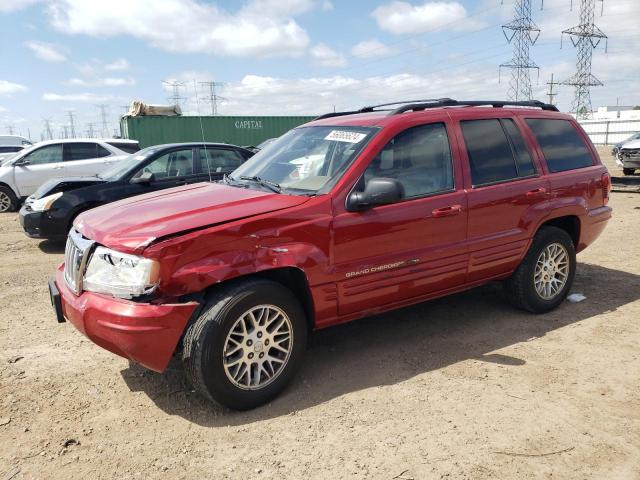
(292, 278)
(569, 223)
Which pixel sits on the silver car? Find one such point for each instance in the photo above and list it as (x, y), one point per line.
(628, 157)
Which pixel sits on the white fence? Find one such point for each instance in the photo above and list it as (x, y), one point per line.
(608, 132)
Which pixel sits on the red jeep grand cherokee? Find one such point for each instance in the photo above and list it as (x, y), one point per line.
(350, 215)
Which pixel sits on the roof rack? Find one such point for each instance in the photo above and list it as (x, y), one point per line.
(416, 105)
(448, 102)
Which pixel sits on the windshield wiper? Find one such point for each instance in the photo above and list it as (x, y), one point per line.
(273, 186)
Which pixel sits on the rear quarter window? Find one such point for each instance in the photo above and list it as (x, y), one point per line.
(126, 147)
(562, 145)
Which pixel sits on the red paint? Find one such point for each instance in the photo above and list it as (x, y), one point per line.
(355, 263)
(145, 333)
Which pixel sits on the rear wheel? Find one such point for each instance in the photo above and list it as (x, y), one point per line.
(544, 278)
(8, 200)
(246, 345)
(628, 171)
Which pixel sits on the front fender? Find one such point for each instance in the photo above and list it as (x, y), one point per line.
(198, 275)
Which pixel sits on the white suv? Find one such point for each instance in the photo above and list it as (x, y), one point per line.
(23, 173)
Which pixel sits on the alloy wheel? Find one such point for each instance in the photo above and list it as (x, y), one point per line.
(5, 202)
(551, 271)
(258, 347)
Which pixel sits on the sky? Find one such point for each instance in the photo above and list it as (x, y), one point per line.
(285, 57)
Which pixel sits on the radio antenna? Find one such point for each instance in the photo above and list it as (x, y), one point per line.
(195, 87)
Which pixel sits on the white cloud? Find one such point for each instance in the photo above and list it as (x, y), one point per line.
(77, 97)
(7, 88)
(117, 65)
(370, 48)
(327, 57)
(100, 82)
(46, 51)
(260, 28)
(2, 109)
(263, 95)
(402, 18)
(15, 5)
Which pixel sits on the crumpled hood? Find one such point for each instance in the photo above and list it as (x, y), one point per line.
(633, 144)
(64, 184)
(131, 224)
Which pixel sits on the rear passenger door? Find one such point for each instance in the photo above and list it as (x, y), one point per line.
(214, 163)
(505, 191)
(85, 159)
(406, 250)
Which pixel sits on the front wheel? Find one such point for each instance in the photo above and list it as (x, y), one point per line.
(543, 279)
(246, 345)
(8, 200)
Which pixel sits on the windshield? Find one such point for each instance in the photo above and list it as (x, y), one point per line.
(123, 167)
(306, 159)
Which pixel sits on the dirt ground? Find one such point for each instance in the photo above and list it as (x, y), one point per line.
(464, 387)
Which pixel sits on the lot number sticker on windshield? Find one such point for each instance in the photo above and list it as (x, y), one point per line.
(345, 136)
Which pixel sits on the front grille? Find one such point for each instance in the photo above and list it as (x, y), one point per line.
(631, 154)
(76, 254)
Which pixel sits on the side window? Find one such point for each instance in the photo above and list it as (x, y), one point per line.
(101, 151)
(219, 160)
(48, 154)
(174, 164)
(520, 150)
(562, 146)
(126, 147)
(419, 158)
(497, 152)
(80, 151)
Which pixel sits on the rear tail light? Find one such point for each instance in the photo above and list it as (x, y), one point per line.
(606, 187)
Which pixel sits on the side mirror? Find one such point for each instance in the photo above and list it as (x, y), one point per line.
(146, 177)
(22, 163)
(379, 191)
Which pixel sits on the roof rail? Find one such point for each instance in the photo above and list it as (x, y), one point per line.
(372, 108)
(416, 105)
(426, 101)
(448, 102)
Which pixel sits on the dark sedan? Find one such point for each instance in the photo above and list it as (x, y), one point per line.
(49, 213)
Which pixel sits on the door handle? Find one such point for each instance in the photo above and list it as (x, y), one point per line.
(536, 192)
(59, 167)
(446, 211)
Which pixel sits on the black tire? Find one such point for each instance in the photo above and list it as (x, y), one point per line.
(204, 341)
(521, 289)
(628, 171)
(6, 192)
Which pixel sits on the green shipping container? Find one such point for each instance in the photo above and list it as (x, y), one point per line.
(155, 130)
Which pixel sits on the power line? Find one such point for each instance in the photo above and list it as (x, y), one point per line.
(522, 33)
(213, 98)
(47, 128)
(72, 127)
(551, 94)
(585, 37)
(104, 131)
(175, 86)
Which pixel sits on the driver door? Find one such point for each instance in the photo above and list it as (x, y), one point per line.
(38, 167)
(415, 247)
(169, 169)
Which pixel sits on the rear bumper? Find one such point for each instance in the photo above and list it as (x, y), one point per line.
(592, 225)
(144, 333)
